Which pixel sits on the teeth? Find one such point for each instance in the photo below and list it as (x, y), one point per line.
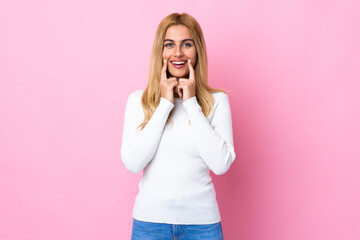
(178, 63)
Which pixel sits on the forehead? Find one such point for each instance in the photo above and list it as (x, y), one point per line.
(178, 32)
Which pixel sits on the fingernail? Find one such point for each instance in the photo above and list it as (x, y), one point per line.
(164, 60)
(189, 60)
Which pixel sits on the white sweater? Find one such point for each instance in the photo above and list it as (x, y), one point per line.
(176, 186)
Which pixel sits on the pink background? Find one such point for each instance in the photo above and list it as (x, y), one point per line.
(292, 68)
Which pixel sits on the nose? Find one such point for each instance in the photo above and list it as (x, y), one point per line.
(178, 52)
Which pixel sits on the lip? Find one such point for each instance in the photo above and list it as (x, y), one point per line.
(178, 66)
(178, 60)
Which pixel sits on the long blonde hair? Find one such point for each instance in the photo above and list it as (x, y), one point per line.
(151, 96)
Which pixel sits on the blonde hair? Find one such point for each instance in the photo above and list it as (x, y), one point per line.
(151, 96)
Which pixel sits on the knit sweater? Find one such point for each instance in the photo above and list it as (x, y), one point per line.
(176, 157)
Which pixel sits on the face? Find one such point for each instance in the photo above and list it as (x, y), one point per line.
(178, 45)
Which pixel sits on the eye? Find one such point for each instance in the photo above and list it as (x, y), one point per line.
(187, 44)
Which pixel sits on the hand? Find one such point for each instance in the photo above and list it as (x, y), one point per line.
(167, 84)
(188, 86)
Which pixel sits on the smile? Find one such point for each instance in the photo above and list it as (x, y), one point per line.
(178, 64)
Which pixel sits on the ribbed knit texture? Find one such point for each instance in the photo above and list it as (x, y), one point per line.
(176, 186)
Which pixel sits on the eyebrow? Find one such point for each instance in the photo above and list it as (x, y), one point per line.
(188, 39)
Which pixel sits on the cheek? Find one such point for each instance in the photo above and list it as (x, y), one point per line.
(193, 56)
(166, 53)
(194, 60)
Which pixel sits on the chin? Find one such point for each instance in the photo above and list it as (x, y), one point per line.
(179, 75)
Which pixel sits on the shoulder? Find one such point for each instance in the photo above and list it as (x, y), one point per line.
(219, 96)
(134, 99)
(135, 96)
(137, 93)
(221, 101)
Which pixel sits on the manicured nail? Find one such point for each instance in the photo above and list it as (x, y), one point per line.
(164, 60)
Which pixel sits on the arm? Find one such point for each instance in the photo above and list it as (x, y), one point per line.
(215, 144)
(139, 147)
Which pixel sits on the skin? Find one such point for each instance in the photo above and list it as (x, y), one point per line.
(181, 82)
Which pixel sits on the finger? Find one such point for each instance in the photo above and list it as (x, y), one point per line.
(192, 71)
(179, 91)
(163, 70)
(183, 80)
(172, 81)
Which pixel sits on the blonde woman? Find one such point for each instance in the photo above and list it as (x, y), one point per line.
(176, 130)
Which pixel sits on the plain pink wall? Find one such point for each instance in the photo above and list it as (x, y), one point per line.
(292, 68)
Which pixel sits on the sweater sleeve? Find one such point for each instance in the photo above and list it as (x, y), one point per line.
(139, 146)
(214, 140)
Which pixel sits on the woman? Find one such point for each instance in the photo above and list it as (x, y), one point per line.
(176, 130)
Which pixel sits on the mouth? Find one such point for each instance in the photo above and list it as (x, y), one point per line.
(178, 64)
